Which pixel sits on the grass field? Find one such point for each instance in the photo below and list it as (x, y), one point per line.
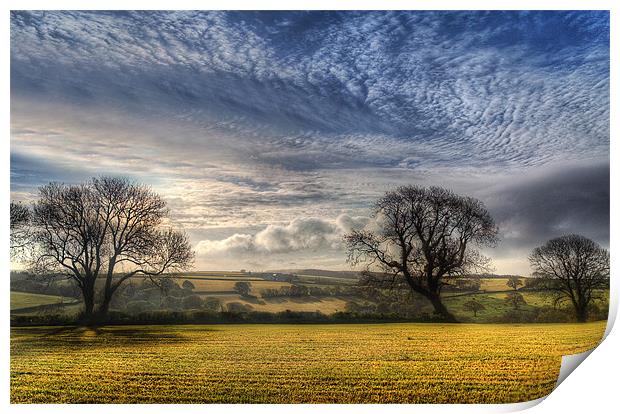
(381, 363)
(495, 284)
(219, 285)
(20, 300)
(326, 305)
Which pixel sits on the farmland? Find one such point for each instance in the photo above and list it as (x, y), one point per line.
(379, 363)
(22, 300)
(206, 285)
(337, 294)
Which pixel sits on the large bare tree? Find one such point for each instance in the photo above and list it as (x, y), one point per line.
(574, 268)
(424, 236)
(107, 229)
(20, 227)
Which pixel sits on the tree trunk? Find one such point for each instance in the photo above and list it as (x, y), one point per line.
(582, 314)
(102, 312)
(89, 304)
(440, 308)
(88, 293)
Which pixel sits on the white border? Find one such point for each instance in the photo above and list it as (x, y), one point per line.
(592, 387)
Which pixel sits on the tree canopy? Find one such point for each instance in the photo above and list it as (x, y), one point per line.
(574, 268)
(425, 235)
(109, 228)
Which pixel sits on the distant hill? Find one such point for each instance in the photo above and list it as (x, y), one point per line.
(354, 274)
(345, 274)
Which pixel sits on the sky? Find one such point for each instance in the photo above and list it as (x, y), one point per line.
(270, 134)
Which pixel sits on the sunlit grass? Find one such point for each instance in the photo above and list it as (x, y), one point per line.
(380, 363)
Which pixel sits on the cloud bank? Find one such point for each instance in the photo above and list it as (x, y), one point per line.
(301, 234)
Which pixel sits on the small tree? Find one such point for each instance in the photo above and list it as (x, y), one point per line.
(188, 285)
(474, 306)
(515, 300)
(574, 269)
(514, 282)
(243, 288)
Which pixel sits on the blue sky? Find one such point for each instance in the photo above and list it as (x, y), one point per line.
(270, 133)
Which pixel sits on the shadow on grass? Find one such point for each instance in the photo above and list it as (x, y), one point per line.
(108, 336)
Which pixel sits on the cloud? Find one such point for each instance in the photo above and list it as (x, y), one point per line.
(311, 90)
(237, 243)
(553, 202)
(301, 234)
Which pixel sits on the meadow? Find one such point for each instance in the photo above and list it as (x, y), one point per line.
(372, 363)
(24, 300)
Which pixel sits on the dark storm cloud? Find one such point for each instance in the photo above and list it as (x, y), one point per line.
(570, 199)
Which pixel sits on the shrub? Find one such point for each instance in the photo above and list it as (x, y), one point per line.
(548, 314)
(213, 304)
(238, 307)
(192, 302)
(138, 306)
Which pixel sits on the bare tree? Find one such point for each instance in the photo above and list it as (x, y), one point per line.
(108, 228)
(574, 268)
(514, 282)
(425, 235)
(20, 229)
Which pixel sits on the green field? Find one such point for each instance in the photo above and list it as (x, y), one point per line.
(21, 300)
(495, 284)
(379, 363)
(220, 285)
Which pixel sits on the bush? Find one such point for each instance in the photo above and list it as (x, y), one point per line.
(238, 307)
(174, 303)
(545, 314)
(516, 316)
(598, 312)
(139, 306)
(192, 302)
(548, 314)
(213, 304)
